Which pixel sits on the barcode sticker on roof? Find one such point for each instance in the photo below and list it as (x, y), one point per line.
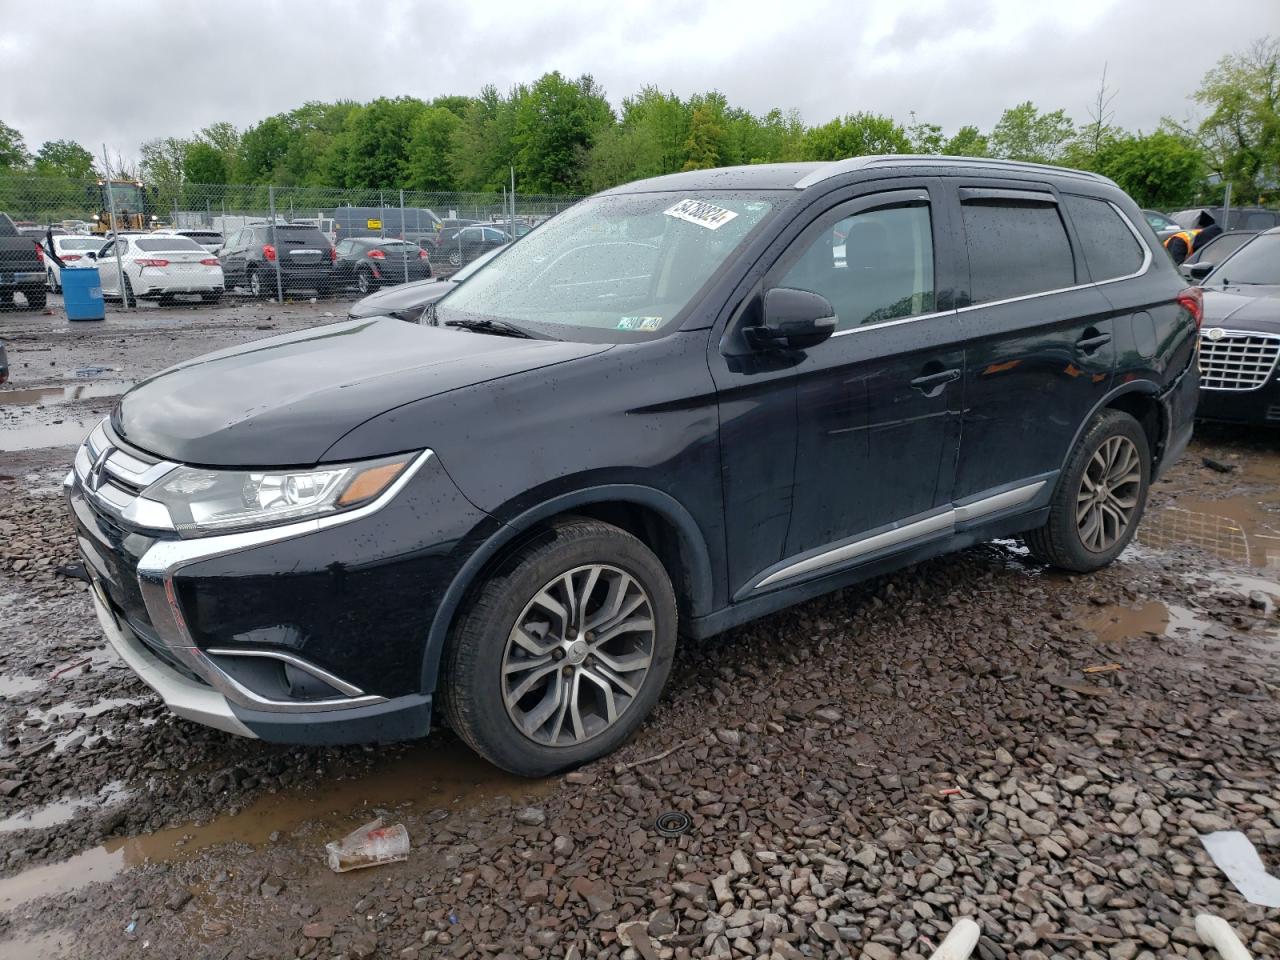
(700, 212)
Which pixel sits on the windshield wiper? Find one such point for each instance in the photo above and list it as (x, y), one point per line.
(499, 328)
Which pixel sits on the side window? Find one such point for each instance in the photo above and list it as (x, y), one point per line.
(1259, 221)
(109, 250)
(873, 266)
(1109, 247)
(1016, 247)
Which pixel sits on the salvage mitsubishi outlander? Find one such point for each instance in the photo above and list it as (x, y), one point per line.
(679, 405)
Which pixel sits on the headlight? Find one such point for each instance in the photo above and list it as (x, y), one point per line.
(204, 502)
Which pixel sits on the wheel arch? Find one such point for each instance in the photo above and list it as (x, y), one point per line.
(655, 518)
(1141, 400)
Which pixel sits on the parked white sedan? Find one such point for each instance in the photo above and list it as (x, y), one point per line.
(74, 253)
(159, 267)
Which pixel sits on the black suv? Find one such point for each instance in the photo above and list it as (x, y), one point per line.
(680, 405)
(303, 254)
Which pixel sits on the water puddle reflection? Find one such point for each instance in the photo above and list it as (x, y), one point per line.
(1239, 530)
(422, 777)
(65, 394)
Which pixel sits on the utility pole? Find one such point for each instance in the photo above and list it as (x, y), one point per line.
(111, 204)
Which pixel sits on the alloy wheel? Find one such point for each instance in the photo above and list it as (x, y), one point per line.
(1108, 495)
(578, 655)
(255, 284)
(362, 282)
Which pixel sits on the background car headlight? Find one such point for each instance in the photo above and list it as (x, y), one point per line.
(206, 502)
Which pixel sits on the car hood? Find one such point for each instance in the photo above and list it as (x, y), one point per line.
(1248, 308)
(416, 293)
(285, 400)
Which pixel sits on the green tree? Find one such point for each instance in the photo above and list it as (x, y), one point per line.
(1242, 129)
(855, 135)
(1024, 133)
(64, 158)
(374, 142)
(967, 142)
(1161, 169)
(162, 160)
(925, 137)
(705, 142)
(204, 163)
(13, 149)
(555, 123)
(428, 166)
(483, 147)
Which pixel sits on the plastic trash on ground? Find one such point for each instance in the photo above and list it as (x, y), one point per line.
(371, 845)
(1239, 860)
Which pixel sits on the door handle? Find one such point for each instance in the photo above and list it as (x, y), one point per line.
(1090, 344)
(931, 384)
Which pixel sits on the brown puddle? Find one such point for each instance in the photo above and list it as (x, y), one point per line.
(45, 435)
(1239, 529)
(421, 778)
(60, 811)
(78, 391)
(1152, 619)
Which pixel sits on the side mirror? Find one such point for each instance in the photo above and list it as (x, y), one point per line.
(1197, 271)
(91, 255)
(793, 318)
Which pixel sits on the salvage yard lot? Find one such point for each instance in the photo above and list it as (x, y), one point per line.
(973, 736)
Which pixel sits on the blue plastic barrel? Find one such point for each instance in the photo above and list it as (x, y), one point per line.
(82, 293)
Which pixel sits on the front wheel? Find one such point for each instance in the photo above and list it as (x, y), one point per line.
(455, 258)
(51, 282)
(1100, 497)
(563, 651)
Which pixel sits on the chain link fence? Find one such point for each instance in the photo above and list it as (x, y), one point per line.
(454, 228)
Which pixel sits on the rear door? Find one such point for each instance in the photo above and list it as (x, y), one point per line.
(232, 257)
(1041, 349)
(107, 272)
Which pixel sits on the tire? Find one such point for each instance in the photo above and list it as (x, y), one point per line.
(1085, 531)
(127, 298)
(213, 296)
(364, 282)
(455, 258)
(481, 673)
(6, 299)
(52, 285)
(258, 289)
(36, 298)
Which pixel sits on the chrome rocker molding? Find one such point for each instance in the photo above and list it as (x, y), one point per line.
(944, 522)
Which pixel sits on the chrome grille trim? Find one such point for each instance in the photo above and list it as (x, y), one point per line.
(1238, 359)
(115, 486)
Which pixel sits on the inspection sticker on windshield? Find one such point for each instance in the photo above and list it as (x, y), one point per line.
(639, 323)
(700, 212)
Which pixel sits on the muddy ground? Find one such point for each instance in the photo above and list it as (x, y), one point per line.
(975, 736)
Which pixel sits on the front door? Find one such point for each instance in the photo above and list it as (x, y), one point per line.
(874, 410)
(108, 274)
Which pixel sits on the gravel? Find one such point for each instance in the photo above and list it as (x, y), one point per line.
(859, 771)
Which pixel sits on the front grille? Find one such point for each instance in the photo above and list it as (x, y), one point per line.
(1238, 360)
(113, 475)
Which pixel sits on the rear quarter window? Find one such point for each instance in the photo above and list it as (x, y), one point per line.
(1015, 248)
(1109, 247)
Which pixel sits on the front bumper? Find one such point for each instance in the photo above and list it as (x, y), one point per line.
(311, 632)
(1259, 406)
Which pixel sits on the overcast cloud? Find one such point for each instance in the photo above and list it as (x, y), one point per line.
(125, 71)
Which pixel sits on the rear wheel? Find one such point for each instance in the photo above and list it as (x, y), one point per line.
(563, 651)
(128, 298)
(1100, 497)
(213, 296)
(364, 281)
(51, 282)
(257, 286)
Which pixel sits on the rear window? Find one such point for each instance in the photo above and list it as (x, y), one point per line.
(86, 243)
(152, 244)
(398, 246)
(204, 237)
(1110, 249)
(294, 234)
(1259, 220)
(1015, 248)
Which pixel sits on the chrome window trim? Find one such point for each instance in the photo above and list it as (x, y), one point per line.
(945, 521)
(163, 560)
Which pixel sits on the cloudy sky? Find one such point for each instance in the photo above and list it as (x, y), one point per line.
(124, 71)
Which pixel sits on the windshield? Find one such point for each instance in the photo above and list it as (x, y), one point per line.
(1257, 262)
(1159, 221)
(612, 268)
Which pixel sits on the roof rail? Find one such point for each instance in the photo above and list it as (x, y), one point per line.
(850, 164)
